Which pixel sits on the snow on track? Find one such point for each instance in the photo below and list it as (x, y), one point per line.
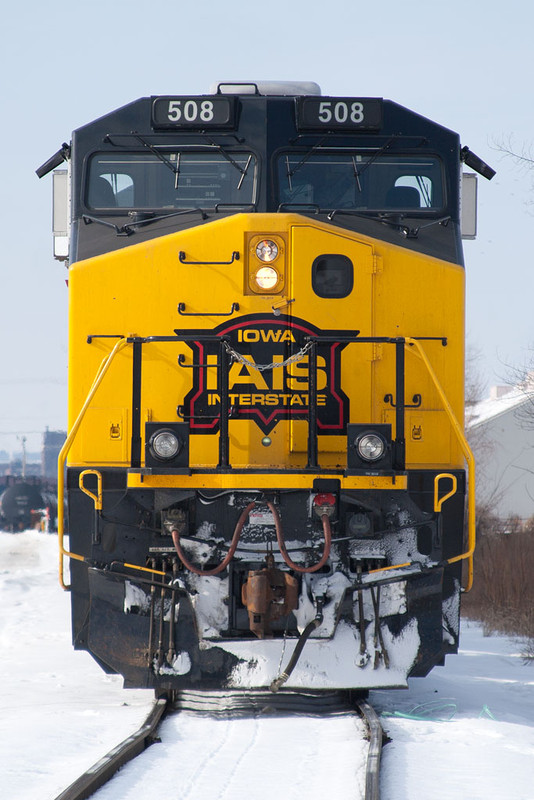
(263, 757)
(59, 714)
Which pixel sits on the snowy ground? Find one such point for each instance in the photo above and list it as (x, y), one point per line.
(59, 714)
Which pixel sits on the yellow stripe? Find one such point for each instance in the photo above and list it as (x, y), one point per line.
(234, 480)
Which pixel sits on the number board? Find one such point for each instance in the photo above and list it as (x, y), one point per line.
(193, 112)
(347, 113)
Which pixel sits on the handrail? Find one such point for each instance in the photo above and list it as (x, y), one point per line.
(96, 498)
(438, 501)
(408, 342)
(103, 368)
(469, 457)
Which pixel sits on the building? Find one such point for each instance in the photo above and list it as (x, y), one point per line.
(41, 464)
(52, 444)
(501, 434)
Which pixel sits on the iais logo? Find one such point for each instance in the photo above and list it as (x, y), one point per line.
(280, 391)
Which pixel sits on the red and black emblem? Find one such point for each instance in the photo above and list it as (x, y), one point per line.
(265, 383)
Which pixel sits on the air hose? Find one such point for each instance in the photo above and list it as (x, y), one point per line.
(233, 547)
(279, 536)
(282, 546)
(303, 638)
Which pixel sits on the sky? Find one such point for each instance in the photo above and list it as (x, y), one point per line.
(467, 65)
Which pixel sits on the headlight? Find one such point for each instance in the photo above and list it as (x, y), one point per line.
(266, 277)
(371, 446)
(165, 445)
(267, 250)
(360, 525)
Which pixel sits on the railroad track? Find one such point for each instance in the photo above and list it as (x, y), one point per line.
(238, 704)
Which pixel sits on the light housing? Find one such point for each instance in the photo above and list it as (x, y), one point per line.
(167, 445)
(369, 448)
(265, 267)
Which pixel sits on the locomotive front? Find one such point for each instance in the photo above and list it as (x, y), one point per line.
(266, 459)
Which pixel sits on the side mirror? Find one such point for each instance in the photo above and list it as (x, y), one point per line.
(469, 205)
(61, 213)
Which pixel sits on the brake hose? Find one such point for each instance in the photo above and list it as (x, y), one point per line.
(281, 543)
(233, 546)
(279, 537)
(303, 638)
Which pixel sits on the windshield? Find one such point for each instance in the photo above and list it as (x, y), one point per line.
(170, 181)
(333, 180)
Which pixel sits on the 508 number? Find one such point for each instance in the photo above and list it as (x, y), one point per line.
(340, 112)
(190, 110)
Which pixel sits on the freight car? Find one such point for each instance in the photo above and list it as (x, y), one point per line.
(25, 505)
(266, 458)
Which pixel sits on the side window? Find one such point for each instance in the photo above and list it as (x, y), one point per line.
(111, 190)
(332, 275)
(420, 184)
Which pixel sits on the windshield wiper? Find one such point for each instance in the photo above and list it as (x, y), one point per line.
(130, 227)
(359, 172)
(356, 174)
(376, 215)
(388, 218)
(305, 157)
(232, 161)
(174, 169)
(413, 233)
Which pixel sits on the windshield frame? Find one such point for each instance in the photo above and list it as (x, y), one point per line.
(232, 158)
(303, 157)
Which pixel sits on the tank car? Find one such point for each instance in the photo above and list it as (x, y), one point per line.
(266, 462)
(26, 505)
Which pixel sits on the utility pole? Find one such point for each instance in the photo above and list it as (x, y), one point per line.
(23, 442)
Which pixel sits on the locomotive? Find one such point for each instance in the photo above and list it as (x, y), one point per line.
(266, 462)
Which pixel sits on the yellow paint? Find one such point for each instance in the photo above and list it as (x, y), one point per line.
(270, 480)
(396, 293)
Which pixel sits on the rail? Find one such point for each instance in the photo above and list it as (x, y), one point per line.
(234, 704)
(376, 738)
(101, 772)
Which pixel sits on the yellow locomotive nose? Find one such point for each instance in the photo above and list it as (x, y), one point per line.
(263, 410)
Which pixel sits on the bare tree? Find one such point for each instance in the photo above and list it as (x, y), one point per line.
(522, 156)
(475, 386)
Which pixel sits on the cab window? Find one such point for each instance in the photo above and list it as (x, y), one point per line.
(176, 180)
(362, 181)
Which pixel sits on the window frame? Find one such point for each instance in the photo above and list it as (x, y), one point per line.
(349, 151)
(167, 150)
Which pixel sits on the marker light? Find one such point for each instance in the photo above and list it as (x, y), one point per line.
(267, 250)
(371, 446)
(266, 277)
(165, 445)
